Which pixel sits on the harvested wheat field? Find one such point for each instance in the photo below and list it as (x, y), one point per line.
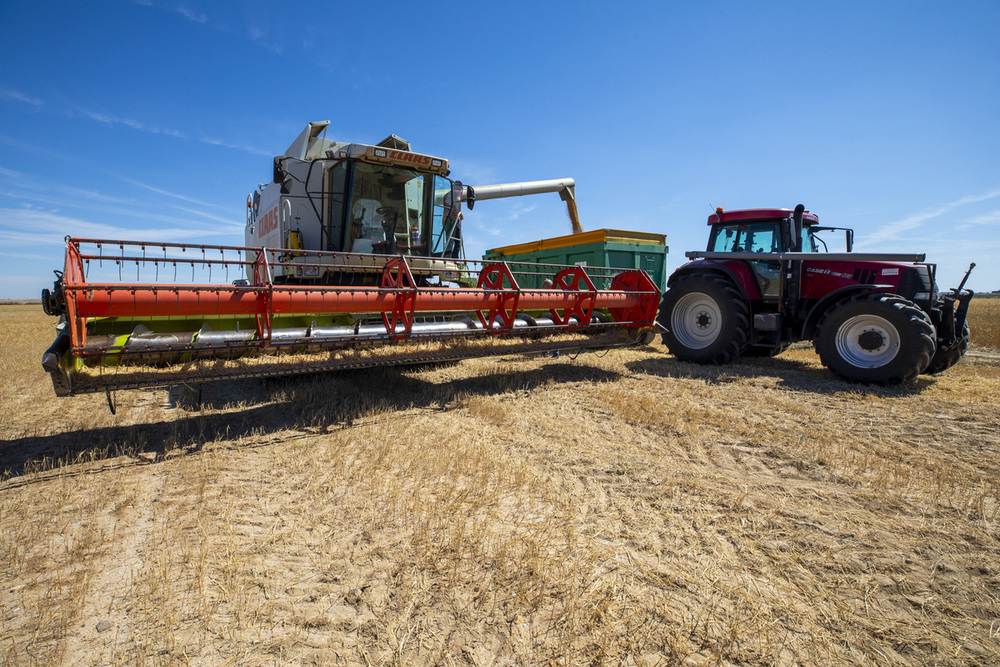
(616, 508)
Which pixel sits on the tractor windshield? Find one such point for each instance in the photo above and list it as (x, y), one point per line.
(752, 237)
(761, 237)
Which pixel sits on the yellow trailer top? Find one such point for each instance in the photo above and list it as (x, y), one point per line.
(596, 236)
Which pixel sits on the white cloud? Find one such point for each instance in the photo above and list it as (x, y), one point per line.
(191, 15)
(517, 211)
(22, 256)
(990, 218)
(893, 230)
(140, 126)
(173, 195)
(17, 96)
(129, 122)
(230, 224)
(27, 227)
(239, 147)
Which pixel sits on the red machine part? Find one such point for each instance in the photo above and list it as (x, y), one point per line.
(648, 298)
(496, 300)
(264, 306)
(397, 276)
(569, 280)
(494, 278)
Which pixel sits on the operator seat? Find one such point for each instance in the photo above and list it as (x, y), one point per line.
(366, 225)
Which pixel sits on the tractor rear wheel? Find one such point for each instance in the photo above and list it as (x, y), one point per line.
(878, 338)
(946, 357)
(707, 320)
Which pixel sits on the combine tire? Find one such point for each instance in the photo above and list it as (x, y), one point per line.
(707, 320)
(946, 357)
(876, 338)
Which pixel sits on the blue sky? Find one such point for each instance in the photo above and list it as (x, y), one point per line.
(153, 120)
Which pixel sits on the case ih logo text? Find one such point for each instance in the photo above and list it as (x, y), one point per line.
(268, 223)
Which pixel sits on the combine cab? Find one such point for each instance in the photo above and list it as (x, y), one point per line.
(353, 259)
(382, 200)
(766, 281)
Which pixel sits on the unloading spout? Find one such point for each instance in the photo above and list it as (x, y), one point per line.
(566, 188)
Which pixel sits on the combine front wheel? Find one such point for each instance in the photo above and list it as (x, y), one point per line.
(880, 338)
(707, 320)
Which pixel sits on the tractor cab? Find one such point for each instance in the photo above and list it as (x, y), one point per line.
(763, 231)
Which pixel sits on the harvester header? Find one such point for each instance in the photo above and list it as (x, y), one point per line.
(353, 258)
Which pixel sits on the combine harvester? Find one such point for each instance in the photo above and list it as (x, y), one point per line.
(353, 258)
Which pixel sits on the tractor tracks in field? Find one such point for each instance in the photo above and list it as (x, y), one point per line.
(982, 357)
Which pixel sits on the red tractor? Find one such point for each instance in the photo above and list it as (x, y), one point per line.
(767, 281)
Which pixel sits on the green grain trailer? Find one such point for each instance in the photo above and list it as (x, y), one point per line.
(601, 247)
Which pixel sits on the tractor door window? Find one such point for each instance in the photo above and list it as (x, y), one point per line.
(809, 241)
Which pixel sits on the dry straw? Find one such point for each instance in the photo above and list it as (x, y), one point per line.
(619, 508)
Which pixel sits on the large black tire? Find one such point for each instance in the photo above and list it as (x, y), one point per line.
(946, 357)
(876, 338)
(707, 320)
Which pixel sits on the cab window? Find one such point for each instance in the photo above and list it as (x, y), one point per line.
(385, 201)
(808, 240)
(446, 231)
(753, 237)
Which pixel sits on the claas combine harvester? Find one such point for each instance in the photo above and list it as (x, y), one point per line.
(353, 258)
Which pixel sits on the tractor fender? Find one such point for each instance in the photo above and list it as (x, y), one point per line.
(816, 313)
(739, 278)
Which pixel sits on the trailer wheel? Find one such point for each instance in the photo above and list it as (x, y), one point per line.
(877, 338)
(946, 357)
(707, 320)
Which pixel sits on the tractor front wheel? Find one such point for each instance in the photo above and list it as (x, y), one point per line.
(707, 320)
(946, 357)
(877, 338)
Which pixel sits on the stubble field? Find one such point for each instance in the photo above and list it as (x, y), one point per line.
(618, 508)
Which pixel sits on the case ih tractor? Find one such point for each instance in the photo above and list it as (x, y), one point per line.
(764, 283)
